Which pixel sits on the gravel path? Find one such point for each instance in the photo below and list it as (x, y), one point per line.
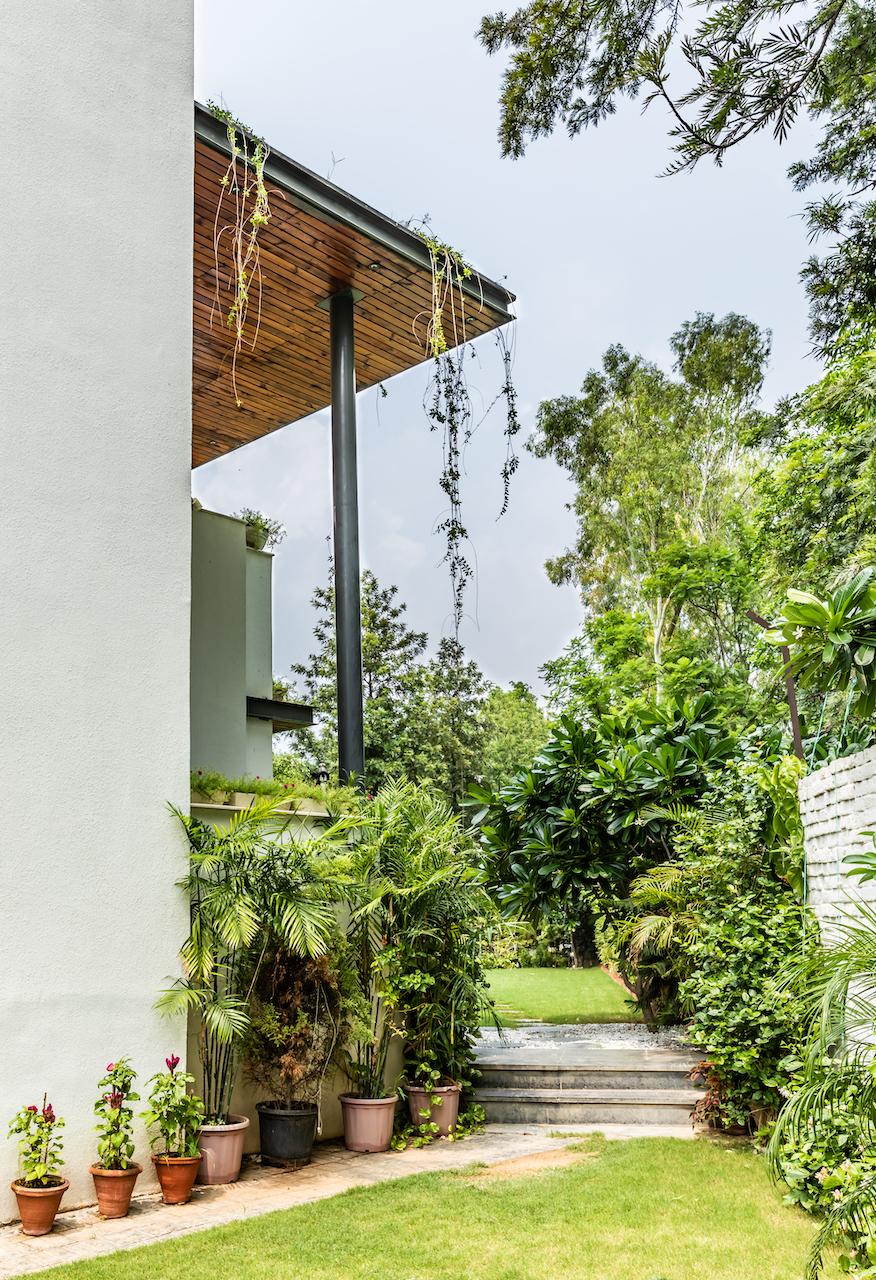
(610, 1033)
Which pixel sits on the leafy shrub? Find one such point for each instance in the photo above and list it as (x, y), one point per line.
(39, 1145)
(115, 1144)
(749, 1028)
(174, 1111)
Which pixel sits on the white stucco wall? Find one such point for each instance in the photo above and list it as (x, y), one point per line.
(837, 803)
(95, 424)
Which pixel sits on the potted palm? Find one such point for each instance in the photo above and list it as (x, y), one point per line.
(251, 886)
(178, 1114)
(368, 1110)
(39, 1185)
(299, 1015)
(422, 901)
(115, 1172)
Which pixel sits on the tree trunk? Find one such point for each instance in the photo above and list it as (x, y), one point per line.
(583, 944)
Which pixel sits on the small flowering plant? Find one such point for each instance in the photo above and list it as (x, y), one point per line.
(177, 1113)
(115, 1143)
(39, 1145)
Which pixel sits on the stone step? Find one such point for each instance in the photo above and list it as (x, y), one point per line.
(586, 1106)
(607, 1073)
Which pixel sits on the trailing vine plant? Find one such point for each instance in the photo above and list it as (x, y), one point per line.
(448, 401)
(242, 210)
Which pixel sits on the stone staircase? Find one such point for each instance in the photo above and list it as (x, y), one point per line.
(563, 1080)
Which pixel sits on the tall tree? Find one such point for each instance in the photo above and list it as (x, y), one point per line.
(656, 463)
(737, 69)
(515, 728)
(423, 717)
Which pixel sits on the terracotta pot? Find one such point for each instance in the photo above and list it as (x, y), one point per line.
(37, 1206)
(444, 1113)
(222, 1150)
(176, 1177)
(368, 1122)
(114, 1189)
(286, 1133)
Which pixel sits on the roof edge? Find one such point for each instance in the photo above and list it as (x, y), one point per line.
(333, 204)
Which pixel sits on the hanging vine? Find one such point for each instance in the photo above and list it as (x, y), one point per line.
(242, 210)
(448, 402)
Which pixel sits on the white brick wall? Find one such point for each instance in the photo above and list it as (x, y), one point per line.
(837, 803)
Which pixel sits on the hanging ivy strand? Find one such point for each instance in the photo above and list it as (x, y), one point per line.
(242, 210)
(448, 402)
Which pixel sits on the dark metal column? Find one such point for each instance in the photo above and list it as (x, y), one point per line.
(348, 622)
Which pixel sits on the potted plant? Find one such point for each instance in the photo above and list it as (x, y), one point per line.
(419, 870)
(369, 1110)
(300, 1013)
(115, 1172)
(178, 1115)
(251, 887)
(261, 530)
(39, 1185)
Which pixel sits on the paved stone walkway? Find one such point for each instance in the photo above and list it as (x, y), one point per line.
(82, 1233)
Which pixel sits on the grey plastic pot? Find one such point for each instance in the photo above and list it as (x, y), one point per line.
(286, 1133)
(444, 1113)
(368, 1122)
(222, 1151)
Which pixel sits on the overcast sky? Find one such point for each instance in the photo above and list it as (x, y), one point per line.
(397, 102)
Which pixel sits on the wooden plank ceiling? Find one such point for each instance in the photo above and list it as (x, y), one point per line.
(305, 257)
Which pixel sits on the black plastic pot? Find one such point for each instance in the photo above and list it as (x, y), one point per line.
(286, 1134)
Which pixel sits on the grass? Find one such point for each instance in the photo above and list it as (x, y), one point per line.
(559, 995)
(646, 1209)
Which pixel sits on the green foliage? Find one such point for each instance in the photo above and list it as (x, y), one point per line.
(832, 1114)
(749, 1028)
(39, 1145)
(469, 1123)
(514, 730)
(833, 641)
(289, 784)
(816, 494)
(271, 531)
(251, 888)
(575, 828)
(449, 405)
(658, 468)
(739, 848)
(739, 70)
(243, 209)
(423, 717)
(417, 928)
(176, 1112)
(824, 1156)
(115, 1143)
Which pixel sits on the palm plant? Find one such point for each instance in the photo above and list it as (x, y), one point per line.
(838, 1092)
(419, 917)
(251, 888)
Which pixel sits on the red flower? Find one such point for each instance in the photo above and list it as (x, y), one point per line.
(115, 1099)
(110, 1066)
(33, 1108)
(49, 1113)
(172, 1063)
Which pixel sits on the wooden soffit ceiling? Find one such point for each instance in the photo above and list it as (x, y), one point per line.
(319, 240)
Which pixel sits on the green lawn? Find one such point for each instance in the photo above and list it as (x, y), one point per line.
(559, 995)
(648, 1209)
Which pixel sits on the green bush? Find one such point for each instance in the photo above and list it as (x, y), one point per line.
(749, 1028)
